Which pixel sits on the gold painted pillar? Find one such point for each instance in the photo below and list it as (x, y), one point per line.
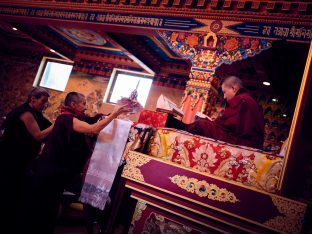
(207, 51)
(200, 93)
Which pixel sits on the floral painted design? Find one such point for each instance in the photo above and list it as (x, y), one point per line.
(152, 118)
(232, 162)
(228, 49)
(231, 44)
(204, 189)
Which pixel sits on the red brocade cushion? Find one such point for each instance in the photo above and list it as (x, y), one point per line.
(153, 118)
(233, 162)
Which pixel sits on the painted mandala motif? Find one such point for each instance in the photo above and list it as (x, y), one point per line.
(84, 36)
(216, 26)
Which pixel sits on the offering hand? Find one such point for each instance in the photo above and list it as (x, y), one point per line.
(133, 104)
(124, 109)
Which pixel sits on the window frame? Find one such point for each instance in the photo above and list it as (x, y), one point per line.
(113, 79)
(42, 67)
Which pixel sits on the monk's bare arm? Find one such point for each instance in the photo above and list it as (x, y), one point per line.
(83, 127)
(33, 128)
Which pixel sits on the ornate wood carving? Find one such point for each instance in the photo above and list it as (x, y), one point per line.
(259, 11)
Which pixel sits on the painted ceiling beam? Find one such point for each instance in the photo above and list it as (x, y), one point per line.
(242, 10)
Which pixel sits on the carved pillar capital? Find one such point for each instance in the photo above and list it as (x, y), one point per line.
(207, 51)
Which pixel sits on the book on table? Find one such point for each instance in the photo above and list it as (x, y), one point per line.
(164, 104)
(203, 116)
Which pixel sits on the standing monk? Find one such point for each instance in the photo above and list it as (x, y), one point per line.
(64, 156)
(24, 129)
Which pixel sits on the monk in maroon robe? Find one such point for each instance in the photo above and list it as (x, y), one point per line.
(242, 122)
(63, 158)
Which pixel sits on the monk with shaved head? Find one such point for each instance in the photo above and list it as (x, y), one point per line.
(242, 122)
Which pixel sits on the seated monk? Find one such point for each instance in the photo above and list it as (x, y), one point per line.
(242, 122)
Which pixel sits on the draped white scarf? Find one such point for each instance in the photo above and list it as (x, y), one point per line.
(104, 163)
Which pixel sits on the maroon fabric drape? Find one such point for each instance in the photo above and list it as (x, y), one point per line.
(242, 122)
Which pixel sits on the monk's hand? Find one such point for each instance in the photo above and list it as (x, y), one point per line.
(124, 109)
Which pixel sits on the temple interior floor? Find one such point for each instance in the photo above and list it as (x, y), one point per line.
(71, 220)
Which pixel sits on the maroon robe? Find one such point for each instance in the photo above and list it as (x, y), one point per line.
(62, 160)
(242, 122)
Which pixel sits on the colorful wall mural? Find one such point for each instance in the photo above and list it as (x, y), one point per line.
(17, 78)
(93, 87)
